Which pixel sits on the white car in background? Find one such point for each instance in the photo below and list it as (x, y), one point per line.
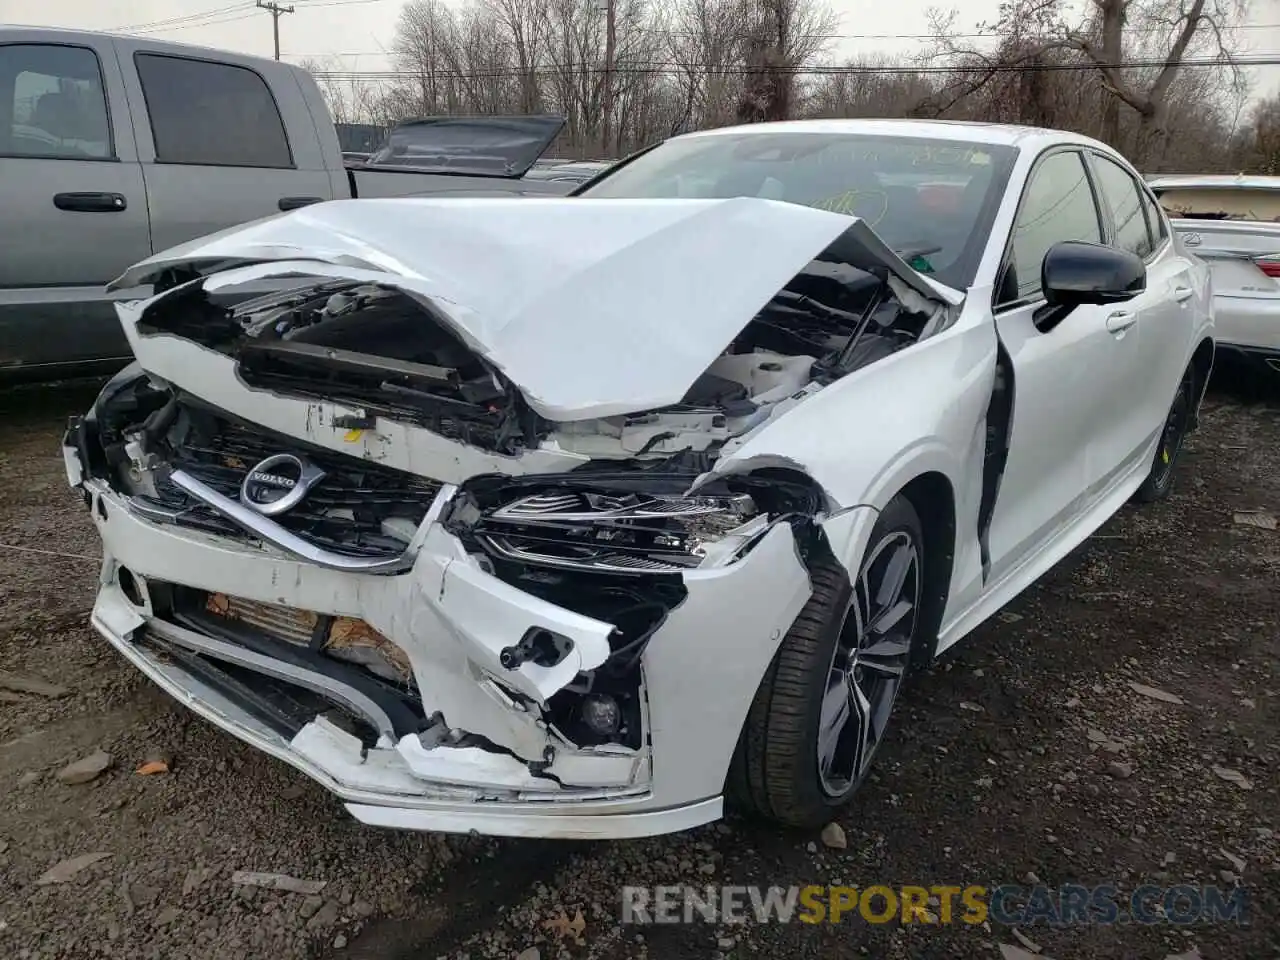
(572, 517)
(1233, 224)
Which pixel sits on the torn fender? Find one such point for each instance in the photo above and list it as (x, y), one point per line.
(867, 462)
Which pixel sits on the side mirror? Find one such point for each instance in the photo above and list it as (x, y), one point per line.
(1075, 273)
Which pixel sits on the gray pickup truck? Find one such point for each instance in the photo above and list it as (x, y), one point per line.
(113, 148)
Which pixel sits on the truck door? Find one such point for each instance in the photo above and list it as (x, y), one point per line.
(222, 141)
(73, 210)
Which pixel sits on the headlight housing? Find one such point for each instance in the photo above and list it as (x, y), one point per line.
(619, 533)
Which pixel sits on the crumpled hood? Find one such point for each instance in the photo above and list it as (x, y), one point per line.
(591, 307)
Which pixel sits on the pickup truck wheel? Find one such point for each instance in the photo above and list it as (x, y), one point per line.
(822, 710)
(1159, 482)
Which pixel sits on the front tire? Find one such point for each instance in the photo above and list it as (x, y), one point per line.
(1159, 482)
(822, 710)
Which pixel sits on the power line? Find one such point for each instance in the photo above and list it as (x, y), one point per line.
(983, 35)
(221, 15)
(987, 35)
(183, 19)
(657, 67)
(229, 17)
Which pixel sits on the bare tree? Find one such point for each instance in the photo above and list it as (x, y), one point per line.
(1257, 148)
(524, 22)
(680, 65)
(876, 86)
(1038, 36)
(704, 44)
(783, 37)
(349, 99)
(1182, 28)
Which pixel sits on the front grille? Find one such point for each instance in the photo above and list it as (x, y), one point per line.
(347, 512)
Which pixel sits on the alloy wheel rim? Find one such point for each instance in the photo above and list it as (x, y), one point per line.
(869, 662)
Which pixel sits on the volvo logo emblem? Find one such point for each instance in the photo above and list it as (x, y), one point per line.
(278, 484)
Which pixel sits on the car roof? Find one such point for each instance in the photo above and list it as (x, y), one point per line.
(1213, 181)
(37, 33)
(1001, 134)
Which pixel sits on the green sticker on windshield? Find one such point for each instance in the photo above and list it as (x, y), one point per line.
(920, 264)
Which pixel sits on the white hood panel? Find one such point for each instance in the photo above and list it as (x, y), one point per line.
(591, 307)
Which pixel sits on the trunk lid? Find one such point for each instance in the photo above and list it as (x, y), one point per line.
(478, 146)
(1243, 255)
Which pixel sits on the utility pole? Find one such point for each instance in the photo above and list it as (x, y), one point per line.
(274, 8)
(610, 42)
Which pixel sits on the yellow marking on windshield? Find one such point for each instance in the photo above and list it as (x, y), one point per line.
(852, 203)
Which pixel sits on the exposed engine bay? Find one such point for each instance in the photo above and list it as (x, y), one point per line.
(390, 354)
(608, 539)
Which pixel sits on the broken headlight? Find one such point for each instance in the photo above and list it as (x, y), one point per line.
(632, 533)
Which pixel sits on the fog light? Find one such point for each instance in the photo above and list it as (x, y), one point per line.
(601, 714)
(130, 587)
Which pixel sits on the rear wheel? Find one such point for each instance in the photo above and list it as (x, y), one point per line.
(822, 710)
(1177, 424)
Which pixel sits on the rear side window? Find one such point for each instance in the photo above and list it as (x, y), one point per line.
(52, 103)
(1057, 205)
(214, 114)
(1154, 219)
(1123, 196)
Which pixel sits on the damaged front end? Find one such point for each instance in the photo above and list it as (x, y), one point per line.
(361, 526)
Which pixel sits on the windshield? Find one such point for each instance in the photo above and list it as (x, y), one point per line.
(930, 200)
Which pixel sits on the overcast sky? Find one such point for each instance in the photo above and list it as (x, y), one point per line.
(358, 31)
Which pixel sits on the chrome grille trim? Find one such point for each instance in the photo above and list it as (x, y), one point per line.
(604, 561)
(273, 533)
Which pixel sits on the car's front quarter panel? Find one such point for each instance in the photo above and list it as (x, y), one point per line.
(866, 437)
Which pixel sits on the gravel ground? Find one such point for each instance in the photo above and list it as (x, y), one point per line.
(1029, 752)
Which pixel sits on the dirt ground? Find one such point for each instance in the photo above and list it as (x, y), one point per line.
(1026, 753)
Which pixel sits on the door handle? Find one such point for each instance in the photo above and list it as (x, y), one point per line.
(1121, 320)
(293, 203)
(90, 202)
(1182, 294)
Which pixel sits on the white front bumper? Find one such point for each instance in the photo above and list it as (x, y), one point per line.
(701, 670)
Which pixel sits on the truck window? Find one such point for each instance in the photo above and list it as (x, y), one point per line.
(214, 114)
(52, 103)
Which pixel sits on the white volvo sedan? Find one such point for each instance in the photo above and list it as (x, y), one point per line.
(578, 517)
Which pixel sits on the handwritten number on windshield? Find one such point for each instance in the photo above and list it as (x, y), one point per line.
(870, 205)
(916, 156)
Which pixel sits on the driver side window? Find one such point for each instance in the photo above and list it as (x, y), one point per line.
(1057, 204)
